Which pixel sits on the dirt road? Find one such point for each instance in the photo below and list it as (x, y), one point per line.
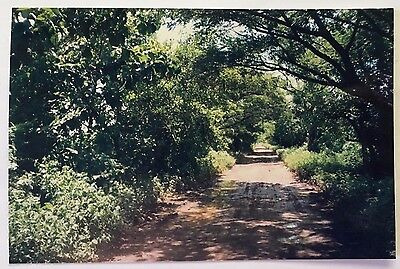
(256, 211)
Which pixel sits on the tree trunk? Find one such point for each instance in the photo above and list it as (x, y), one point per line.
(313, 136)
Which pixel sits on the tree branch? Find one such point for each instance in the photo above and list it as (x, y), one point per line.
(350, 75)
(268, 68)
(361, 26)
(314, 50)
(281, 22)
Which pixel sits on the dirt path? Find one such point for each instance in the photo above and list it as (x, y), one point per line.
(256, 211)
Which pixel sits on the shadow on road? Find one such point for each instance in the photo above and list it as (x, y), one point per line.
(233, 221)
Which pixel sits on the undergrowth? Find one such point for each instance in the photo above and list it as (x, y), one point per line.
(363, 206)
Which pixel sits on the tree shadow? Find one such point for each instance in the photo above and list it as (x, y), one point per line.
(235, 221)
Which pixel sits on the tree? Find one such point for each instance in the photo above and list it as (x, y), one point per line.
(241, 99)
(351, 50)
(71, 72)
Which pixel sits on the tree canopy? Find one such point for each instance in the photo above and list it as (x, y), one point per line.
(349, 49)
(105, 118)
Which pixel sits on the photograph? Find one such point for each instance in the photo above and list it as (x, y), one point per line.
(185, 134)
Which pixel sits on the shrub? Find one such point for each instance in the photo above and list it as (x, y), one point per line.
(296, 159)
(214, 163)
(363, 206)
(130, 200)
(363, 209)
(220, 161)
(139, 196)
(310, 166)
(351, 155)
(57, 216)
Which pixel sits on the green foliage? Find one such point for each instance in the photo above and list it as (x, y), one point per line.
(288, 131)
(309, 165)
(219, 161)
(363, 208)
(207, 168)
(363, 205)
(136, 199)
(344, 59)
(298, 160)
(93, 90)
(284, 40)
(266, 133)
(119, 119)
(55, 215)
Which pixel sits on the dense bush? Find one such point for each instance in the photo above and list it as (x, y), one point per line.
(309, 164)
(363, 205)
(135, 200)
(56, 215)
(363, 209)
(219, 161)
(206, 169)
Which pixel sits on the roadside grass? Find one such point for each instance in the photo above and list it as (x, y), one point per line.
(363, 206)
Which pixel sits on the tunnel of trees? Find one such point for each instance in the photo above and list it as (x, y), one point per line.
(104, 118)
